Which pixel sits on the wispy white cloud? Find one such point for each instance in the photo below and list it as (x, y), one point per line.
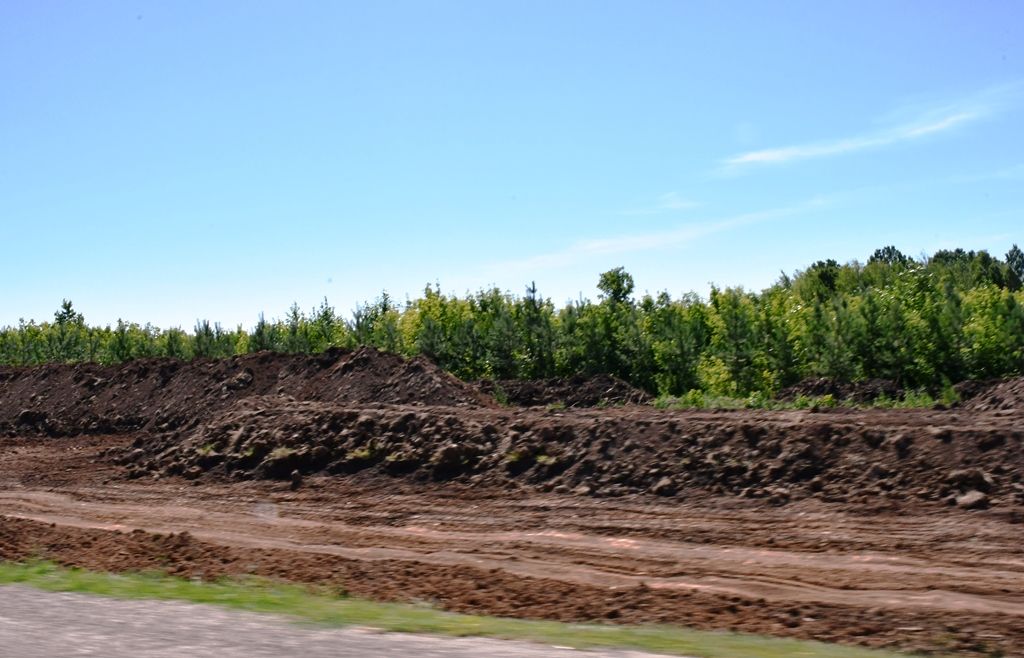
(636, 242)
(927, 121)
(787, 154)
(669, 202)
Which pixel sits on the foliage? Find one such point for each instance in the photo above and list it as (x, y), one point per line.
(925, 323)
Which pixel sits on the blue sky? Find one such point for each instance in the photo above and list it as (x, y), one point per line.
(167, 161)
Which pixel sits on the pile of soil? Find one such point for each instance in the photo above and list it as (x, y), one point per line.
(167, 394)
(272, 416)
(858, 392)
(573, 392)
(779, 457)
(972, 388)
(1002, 395)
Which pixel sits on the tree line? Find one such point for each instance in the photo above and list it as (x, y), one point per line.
(924, 322)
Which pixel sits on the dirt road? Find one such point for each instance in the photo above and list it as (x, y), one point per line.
(926, 577)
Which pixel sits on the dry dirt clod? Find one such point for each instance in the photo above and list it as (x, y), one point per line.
(972, 500)
(664, 487)
(971, 478)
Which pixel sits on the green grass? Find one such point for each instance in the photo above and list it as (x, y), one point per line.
(320, 607)
(700, 400)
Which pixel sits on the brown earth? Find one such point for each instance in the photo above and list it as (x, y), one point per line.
(866, 390)
(1002, 395)
(571, 392)
(873, 458)
(894, 528)
(167, 394)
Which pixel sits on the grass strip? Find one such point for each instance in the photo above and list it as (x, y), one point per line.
(307, 604)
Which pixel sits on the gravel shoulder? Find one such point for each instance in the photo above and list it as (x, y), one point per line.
(39, 624)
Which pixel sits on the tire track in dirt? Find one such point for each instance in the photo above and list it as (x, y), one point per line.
(861, 579)
(914, 577)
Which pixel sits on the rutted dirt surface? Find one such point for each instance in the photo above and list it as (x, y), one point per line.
(918, 577)
(883, 528)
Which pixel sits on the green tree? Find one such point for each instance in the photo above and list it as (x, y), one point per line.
(616, 286)
(67, 335)
(264, 336)
(889, 255)
(204, 340)
(679, 333)
(734, 340)
(1015, 263)
(535, 318)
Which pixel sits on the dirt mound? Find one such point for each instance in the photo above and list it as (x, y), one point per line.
(972, 388)
(833, 457)
(1000, 395)
(866, 390)
(167, 394)
(574, 392)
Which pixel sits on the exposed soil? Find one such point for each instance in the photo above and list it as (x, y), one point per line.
(570, 392)
(167, 394)
(895, 528)
(859, 392)
(1005, 395)
(972, 388)
(873, 458)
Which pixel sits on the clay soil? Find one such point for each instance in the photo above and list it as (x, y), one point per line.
(884, 528)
